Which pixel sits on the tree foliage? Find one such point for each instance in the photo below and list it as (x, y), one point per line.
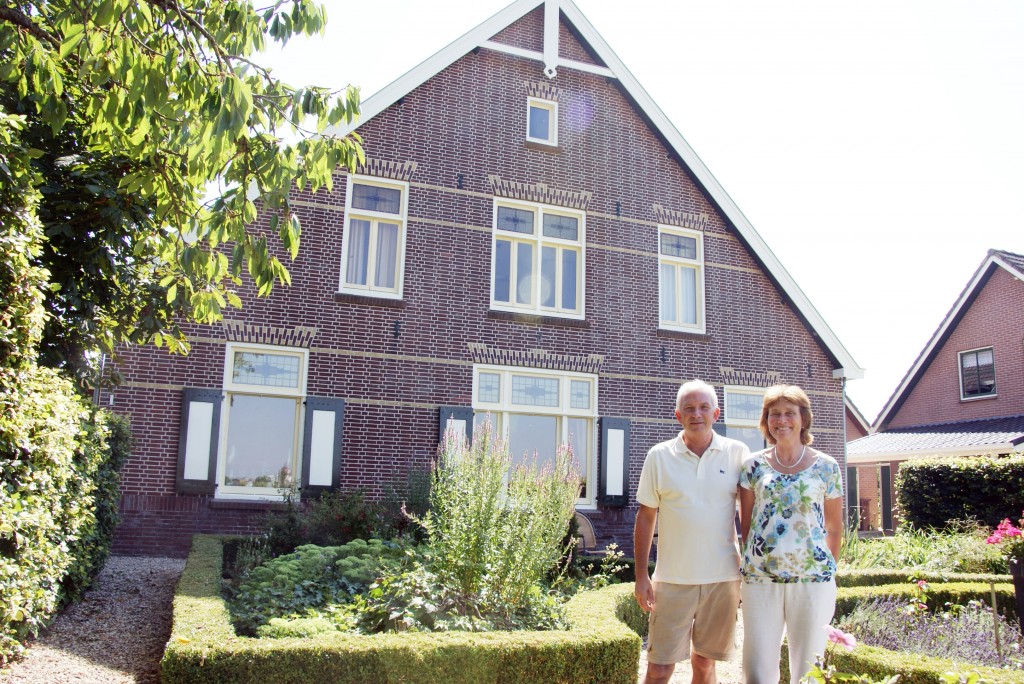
(134, 108)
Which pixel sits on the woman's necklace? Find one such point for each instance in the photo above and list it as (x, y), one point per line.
(794, 464)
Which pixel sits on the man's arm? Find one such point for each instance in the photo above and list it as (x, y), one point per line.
(643, 536)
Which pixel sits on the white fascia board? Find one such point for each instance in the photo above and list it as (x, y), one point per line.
(848, 367)
(939, 334)
(435, 64)
(887, 456)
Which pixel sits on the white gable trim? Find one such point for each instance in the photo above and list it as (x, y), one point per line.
(531, 54)
(993, 259)
(479, 36)
(885, 457)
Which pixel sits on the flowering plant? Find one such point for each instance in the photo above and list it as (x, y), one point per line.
(1010, 539)
(824, 671)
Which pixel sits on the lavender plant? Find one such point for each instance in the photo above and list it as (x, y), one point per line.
(960, 633)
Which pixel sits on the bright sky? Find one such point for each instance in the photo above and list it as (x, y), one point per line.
(877, 147)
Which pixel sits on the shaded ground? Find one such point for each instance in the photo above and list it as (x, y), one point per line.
(115, 635)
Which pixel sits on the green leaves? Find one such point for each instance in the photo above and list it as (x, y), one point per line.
(163, 100)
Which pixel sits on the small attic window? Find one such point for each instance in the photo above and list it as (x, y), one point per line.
(542, 121)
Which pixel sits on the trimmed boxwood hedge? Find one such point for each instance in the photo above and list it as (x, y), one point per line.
(601, 646)
(930, 493)
(879, 576)
(915, 668)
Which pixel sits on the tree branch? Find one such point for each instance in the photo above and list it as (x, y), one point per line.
(13, 16)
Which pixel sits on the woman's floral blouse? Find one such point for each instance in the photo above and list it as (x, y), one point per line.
(786, 542)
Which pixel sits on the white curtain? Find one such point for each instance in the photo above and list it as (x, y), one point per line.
(387, 252)
(358, 244)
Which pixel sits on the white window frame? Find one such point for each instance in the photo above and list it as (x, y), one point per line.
(960, 374)
(697, 264)
(374, 217)
(731, 421)
(503, 408)
(231, 388)
(552, 108)
(539, 241)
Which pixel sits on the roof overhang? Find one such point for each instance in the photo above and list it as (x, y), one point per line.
(887, 457)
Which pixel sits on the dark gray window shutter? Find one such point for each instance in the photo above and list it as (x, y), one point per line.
(198, 439)
(460, 416)
(613, 485)
(321, 444)
(885, 489)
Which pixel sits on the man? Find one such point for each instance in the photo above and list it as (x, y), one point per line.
(688, 486)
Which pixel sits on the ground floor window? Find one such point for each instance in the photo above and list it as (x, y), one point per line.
(742, 413)
(261, 425)
(537, 410)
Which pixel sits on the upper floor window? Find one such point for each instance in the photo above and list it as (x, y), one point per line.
(539, 410)
(537, 263)
(542, 121)
(260, 425)
(681, 279)
(373, 244)
(742, 414)
(977, 373)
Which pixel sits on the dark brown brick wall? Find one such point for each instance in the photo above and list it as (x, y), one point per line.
(469, 120)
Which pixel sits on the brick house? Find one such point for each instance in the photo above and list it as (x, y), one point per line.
(862, 492)
(531, 239)
(964, 395)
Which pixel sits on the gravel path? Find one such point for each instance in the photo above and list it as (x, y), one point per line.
(114, 635)
(117, 633)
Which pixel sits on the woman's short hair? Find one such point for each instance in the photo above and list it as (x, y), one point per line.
(793, 395)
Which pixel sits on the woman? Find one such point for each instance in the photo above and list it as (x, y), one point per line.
(791, 523)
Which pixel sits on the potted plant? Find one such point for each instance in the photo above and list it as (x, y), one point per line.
(1011, 542)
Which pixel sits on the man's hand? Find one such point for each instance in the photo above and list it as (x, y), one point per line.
(644, 593)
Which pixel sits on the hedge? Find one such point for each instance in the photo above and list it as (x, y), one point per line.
(600, 647)
(59, 460)
(915, 668)
(878, 576)
(931, 493)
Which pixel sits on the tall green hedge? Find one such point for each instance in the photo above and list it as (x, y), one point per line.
(59, 456)
(933, 492)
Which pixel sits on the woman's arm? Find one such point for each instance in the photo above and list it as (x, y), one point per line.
(834, 525)
(746, 510)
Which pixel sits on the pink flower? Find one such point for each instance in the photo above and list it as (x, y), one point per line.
(837, 636)
(923, 584)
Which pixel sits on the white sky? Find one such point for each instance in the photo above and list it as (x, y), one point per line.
(877, 147)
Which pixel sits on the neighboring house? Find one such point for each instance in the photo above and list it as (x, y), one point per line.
(862, 485)
(964, 395)
(530, 238)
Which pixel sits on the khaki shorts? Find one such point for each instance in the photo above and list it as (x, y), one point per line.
(703, 613)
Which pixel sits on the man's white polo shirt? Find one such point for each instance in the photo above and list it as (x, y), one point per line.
(696, 501)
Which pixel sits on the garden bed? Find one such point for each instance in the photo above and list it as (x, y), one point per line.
(601, 646)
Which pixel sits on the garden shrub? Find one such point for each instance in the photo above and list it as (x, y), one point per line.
(847, 577)
(310, 578)
(960, 548)
(58, 456)
(932, 493)
(203, 647)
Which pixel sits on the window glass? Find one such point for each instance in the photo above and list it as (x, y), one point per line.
(502, 270)
(569, 259)
(267, 370)
(680, 280)
(532, 435)
(678, 246)
(750, 436)
(489, 388)
(564, 227)
(376, 198)
(540, 123)
(524, 273)
(668, 292)
(579, 440)
(548, 266)
(743, 406)
(528, 390)
(579, 394)
(515, 220)
(260, 441)
(977, 373)
(358, 251)
(387, 252)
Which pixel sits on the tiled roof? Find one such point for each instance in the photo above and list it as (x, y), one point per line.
(1015, 260)
(942, 437)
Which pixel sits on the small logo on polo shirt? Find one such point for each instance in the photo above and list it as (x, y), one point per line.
(722, 471)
